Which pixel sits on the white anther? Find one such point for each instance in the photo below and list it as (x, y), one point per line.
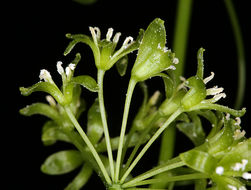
(227, 116)
(171, 67)
(246, 175)
(219, 170)
(95, 32)
(206, 80)
(232, 187)
(45, 75)
(175, 61)
(128, 41)
(214, 91)
(165, 49)
(109, 34)
(72, 66)
(240, 166)
(116, 37)
(238, 121)
(238, 134)
(218, 97)
(60, 69)
(50, 100)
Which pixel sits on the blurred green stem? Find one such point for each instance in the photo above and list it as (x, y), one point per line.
(240, 53)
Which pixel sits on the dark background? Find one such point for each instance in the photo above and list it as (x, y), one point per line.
(34, 39)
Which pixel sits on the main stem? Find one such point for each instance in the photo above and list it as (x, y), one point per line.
(150, 142)
(240, 52)
(101, 74)
(130, 90)
(88, 143)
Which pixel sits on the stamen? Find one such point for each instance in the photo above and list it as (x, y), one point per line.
(46, 76)
(60, 69)
(246, 175)
(214, 91)
(206, 80)
(128, 41)
(72, 66)
(227, 116)
(109, 34)
(175, 61)
(218, 97)
(116, 37)
(238, 121)
(238, 134)
(51, 100)
(95, 32)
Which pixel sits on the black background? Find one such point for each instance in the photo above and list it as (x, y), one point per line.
(34, 39)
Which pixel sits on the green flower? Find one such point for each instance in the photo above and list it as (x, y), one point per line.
(225, 157)
(153, 56)
(192, 94)
(62, 95)
(104, 50)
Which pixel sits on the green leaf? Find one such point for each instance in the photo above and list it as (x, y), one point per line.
(94, 124)
(199, 161)
(42, 109)
(121, 65)
(62, 162)
(86, 81)
(76, 38)
(152, 57)
(52, 89)
(51, 134)
(81, 179)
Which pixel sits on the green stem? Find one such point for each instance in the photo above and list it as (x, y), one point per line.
(149, 126)
(88, 143)
(181, 33)
(150, 142)
(240, 52)
(174, 163)
(131, 86)
(101, 74)
(193, 176)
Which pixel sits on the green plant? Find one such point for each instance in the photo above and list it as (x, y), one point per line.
(223, 155)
